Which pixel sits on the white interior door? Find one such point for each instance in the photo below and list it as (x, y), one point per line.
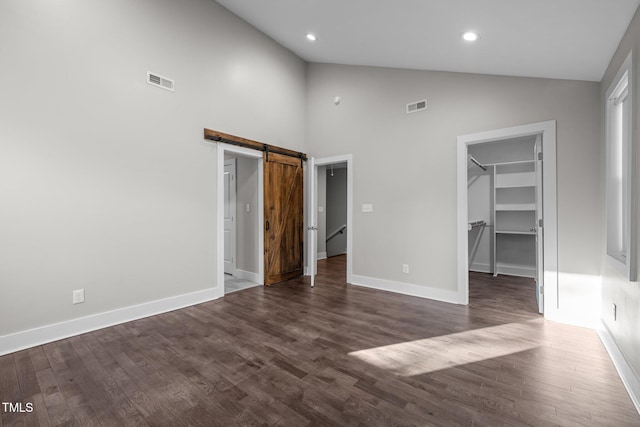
(539, 227)
(230, 216)
(312, 228)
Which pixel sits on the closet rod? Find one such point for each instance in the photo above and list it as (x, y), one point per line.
(477, 163)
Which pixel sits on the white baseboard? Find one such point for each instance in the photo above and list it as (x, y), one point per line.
(407, 289)
(509, 270)
(480, 267)
(629, 376)
(248, 275)
(57, 331)
(515, 270)
(322, 255)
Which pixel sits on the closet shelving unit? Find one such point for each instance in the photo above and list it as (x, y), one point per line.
(514, 218)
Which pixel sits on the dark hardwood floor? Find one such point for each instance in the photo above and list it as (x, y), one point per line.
(289, 355)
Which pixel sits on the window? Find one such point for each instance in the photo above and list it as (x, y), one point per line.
(620, 210)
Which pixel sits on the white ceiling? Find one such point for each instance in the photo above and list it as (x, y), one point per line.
(565, 39)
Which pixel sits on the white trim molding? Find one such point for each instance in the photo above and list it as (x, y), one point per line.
(248, 275)
(57, 331)
(437, 294)
(520, 271)
(628, 375)
(480, 267)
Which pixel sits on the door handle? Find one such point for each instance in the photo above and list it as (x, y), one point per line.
(267, 226)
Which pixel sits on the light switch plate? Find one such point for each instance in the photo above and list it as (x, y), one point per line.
(78, 296)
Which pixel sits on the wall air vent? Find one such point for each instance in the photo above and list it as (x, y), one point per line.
(413, 107)
(159, 81)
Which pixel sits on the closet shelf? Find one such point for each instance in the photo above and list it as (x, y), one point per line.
(521, 186)
(516, 207)
(517, 164)
(519, 232)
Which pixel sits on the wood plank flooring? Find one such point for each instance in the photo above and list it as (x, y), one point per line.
(334, 355)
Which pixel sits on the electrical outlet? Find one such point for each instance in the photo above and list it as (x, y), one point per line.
(405, 268)
(615, 311)
(248, 207)
(78, 296)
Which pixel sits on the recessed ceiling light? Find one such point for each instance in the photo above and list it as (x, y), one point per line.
(470, 36)
(311, 37)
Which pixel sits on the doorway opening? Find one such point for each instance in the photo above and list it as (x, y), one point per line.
(331, 215)
(504, 195)
(240, 252)
(280, 220)
(507, 220)
(332, 210)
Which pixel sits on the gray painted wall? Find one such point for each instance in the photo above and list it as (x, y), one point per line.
(247, 175)
(615, 286)
(322, 216)
(106, 181)
(405, 165)
(336, 210)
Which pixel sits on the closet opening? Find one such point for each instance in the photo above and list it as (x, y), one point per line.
(279, 208)
(504, 194)
(507, 220)
(241, 222)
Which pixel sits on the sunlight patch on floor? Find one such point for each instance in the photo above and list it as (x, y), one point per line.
(432, 354)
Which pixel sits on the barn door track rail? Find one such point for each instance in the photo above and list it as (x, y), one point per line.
(214, 135)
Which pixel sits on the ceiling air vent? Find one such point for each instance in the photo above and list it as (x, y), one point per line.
(412, 107)
(159, 81)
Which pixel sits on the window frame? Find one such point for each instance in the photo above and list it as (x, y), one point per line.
(621, 199)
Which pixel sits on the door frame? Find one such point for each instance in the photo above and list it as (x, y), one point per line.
(539, 170)
(550, 212)
(313, 207)
(234, 207)
(221, 149)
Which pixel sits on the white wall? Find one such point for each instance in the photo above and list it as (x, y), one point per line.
(615, 286)
(405, 165)
(106, 182)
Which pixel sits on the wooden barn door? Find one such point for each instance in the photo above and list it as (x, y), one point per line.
(283, 218)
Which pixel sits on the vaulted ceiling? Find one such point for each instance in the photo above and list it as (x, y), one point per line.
(565, 39)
